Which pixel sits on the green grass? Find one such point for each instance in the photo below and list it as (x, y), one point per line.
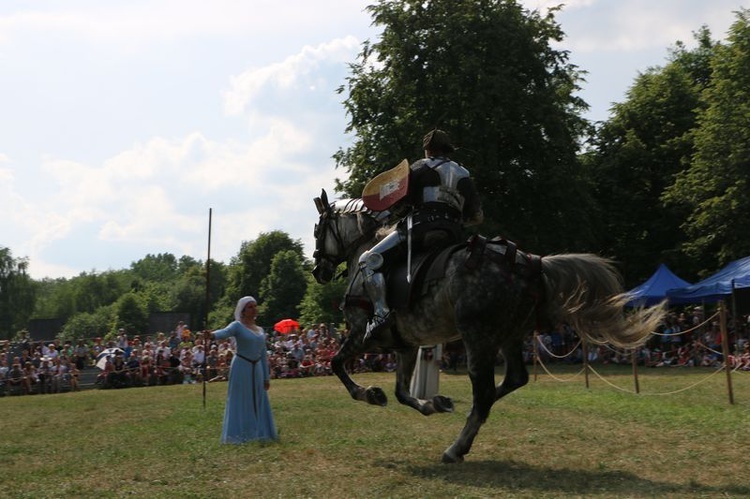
(549, 439)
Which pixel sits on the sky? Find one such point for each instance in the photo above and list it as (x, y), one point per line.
(123, 124)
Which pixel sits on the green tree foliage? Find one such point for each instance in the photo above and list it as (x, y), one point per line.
(17, 294)
(715, 186)
(85, 293)
(253, 263)
(132, 313)
(101, 323)
(636, 155)
(283, 288)
(483, 70)
(189, 290)
(160, 267)
(322, 301)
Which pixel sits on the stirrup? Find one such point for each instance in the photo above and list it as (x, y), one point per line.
(377, 324)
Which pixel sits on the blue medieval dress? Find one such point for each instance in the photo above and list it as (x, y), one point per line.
(247, 415)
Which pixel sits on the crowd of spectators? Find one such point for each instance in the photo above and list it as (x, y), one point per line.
(182, 357)
(685, 339)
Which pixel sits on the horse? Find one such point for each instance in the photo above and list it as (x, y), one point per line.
(491, 296)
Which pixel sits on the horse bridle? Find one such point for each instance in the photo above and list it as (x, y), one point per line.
(325, 267)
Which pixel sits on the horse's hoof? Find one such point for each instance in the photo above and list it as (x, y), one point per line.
(442, 404)
(449, 458)
(376, 396)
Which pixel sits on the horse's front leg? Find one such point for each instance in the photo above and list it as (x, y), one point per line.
(351, 348)
(406, 360)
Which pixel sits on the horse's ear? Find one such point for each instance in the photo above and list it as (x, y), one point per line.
(319, 205)
(324, 198)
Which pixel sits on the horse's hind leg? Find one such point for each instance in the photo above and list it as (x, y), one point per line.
(406, 361)
(516, 374)
(482, 373)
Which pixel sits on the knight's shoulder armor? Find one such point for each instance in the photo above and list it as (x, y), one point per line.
(446, 191)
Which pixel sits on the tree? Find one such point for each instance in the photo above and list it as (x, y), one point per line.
(189, 291)
(483, 70)
(636, 155)
(160, 267)
(17, 294)
(714, 187)
(283, 288)
(322, 301)
(132, 313)
(100, 323)
(253, 263)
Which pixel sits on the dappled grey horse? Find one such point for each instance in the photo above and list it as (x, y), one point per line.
(488, 295)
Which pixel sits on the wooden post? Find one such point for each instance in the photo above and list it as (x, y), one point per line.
(725, 348)
(536, 353)
(634, 358)
(585, 361)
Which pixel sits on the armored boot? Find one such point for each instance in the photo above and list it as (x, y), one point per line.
(370, 263)
(374, 284)
(382, 317)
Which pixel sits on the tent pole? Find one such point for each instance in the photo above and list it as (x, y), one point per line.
(725, 348)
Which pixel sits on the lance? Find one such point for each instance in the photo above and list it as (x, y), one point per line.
(206, 346)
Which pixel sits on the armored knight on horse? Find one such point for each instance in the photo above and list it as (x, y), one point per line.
(439, 199)
(487, 293)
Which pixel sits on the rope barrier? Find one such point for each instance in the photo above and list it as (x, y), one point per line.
(698, 326)
(561, 356)
(717, 371)
(555, 377)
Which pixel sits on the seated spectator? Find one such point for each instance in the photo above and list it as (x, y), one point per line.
(44, 375)
(73, 374)
(81, 355)
(307, 366)
(134, 368)
(16, 378)
(118, 377)
(59, 374)
(4, 370)
(212, 362)
(29, 377)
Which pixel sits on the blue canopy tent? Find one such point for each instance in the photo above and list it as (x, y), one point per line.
(719, 286)
(654, 290)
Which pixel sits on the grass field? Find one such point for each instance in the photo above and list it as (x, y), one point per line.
(549, 439)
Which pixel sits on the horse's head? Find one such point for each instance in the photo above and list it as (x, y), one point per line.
(341, 229)
(326, 259)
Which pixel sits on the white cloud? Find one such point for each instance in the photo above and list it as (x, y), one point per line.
(300, 72)
(639, 25)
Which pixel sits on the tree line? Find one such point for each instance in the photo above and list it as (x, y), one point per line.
(271, 267)
(662, 180)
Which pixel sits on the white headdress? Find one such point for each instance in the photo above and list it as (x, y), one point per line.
(241, 305)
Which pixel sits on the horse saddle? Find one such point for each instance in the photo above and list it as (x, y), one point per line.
(426, 268)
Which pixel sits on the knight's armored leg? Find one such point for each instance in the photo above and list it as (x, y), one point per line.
(374, 283)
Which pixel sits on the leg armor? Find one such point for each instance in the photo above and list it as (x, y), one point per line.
(370, 263)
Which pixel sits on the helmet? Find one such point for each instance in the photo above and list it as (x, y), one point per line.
(437, 141)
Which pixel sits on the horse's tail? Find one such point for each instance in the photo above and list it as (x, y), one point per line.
(586, 291)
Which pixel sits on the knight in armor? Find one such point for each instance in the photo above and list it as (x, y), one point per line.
(441, 200)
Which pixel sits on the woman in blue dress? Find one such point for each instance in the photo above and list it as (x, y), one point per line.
(247, 415)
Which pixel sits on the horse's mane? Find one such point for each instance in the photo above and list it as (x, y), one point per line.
(355, 206)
